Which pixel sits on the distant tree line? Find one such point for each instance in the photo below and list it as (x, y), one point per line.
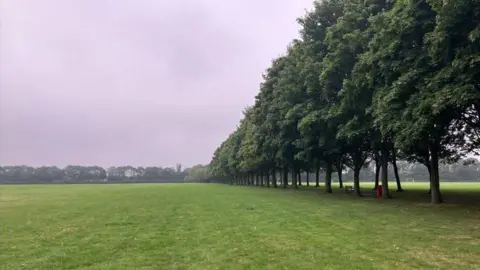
(373, 80)
(462, 171)
(81, 174)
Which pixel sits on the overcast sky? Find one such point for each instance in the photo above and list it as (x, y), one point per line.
(139, 82)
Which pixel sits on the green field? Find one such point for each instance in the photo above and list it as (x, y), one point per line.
(195, 226)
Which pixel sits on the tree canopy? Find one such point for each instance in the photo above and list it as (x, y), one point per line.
(369, 80)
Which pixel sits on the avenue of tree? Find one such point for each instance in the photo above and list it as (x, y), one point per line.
(367, 81)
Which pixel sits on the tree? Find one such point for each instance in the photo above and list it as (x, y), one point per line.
(48, 173)
(367, 79)
(316, 129)
(197, 173)
(178, 168)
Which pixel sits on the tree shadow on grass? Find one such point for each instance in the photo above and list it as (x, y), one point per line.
(459, 199)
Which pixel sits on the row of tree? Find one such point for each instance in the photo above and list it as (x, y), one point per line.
(466, 170)
(75, 173)
(368, 80)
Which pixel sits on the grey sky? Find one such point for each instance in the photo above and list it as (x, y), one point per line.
(139, 82)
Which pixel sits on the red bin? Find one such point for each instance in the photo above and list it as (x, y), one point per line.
(379, 191)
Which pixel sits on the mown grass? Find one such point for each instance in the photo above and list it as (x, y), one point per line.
(195, 226)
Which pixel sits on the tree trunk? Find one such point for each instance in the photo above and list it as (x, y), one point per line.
(436, 196)
(285, 177)
(317, 174)
(299, 177)
(339, 173)
(384, 161)
(429, 168)
(308, 179)
(274, 178)
(267, 178)
(395, 170)
(328, 177)
(356, 181)
(262, 179)
(294, 178)
(427, 164)
(377, 170)
(430, 179)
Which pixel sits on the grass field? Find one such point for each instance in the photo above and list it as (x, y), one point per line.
(195, 226)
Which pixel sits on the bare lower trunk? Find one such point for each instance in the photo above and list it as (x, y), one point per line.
(294, 179)
(395, 171)
(384, 160)
(397, 177)
(429, 177)
(317, 174)
(377, 170)
(274, 177)
(328, 177)
(267, 178)
(299, 177)
(339, 173)
(356, 181)
(285, 177)
(262, 179)
(308, 179)
(436, 196)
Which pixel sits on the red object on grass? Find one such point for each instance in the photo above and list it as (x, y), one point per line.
(379, 191)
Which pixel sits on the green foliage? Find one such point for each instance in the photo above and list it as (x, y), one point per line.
(372, 78)
(198, 173)
(82, 174)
